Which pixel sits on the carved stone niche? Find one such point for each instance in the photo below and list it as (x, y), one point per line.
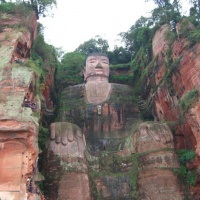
(18, 153)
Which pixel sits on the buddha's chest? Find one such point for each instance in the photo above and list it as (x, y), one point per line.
(96, 93)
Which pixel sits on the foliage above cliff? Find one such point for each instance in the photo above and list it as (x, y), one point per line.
(188, 99)
(12, 8)
(21, 7)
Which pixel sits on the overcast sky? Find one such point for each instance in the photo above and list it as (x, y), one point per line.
(77, 21)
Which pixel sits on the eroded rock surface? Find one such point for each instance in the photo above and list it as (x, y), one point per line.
(157, 162)
(184, 79)
(18, 122)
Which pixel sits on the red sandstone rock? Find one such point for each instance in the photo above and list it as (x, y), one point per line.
(75, 186)
(18, 126)
(158, 184)
(185, 78)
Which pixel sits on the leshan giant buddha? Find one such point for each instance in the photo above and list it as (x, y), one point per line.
(99, 130)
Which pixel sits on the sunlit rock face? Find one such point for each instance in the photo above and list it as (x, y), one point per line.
(18, 157)
(184, 79)
(18, 124)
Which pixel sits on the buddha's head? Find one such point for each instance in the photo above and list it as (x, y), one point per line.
(97, 67)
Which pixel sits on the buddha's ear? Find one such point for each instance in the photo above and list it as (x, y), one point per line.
(84, 73)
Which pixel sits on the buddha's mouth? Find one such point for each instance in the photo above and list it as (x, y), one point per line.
(97, 74)
(99, 70)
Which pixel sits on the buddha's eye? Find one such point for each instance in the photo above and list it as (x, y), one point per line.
(104, 61)
(92, 61)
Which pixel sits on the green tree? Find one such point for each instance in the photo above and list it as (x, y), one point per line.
(42, 6)
(70, 70)
(44, 53)
(96, 44)
(119, 56)
(195, 9)
(136, 38)
(166, 12)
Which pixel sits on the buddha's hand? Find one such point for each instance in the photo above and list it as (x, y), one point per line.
(68, 142)
(158, 132)
(65, 132)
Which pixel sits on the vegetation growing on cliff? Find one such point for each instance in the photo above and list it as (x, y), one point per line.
(186, 156)
(188, 99)
(13, 9)
(114, 172)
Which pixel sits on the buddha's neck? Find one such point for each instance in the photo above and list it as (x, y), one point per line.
(97, 79)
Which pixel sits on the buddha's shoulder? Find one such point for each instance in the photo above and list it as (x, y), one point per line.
(76, 90)
(121, 93)
(120, 88)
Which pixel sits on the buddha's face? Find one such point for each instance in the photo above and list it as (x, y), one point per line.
(96, 65)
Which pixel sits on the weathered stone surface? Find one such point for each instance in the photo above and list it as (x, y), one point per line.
(160, 185)
(154, 136)
(47, 91)
(104, 124)
(66, 177)
(18, 124)
(156, 159)
(161, 159)
(184, 79)
(19, 151)
(159, 43)
(114, 187)
(74, 186)
(66, 156)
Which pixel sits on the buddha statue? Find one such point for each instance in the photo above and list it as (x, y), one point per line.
(104, 111)
(99, 129)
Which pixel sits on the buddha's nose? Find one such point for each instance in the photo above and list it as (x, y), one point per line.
(99, 65)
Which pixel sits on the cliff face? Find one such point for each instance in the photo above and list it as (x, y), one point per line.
(19, 109)
(183, 80)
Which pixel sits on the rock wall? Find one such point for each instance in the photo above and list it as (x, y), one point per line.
(18, 119)
(184, 78)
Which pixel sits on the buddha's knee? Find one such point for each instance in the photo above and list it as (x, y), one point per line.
(156, 161)
(155, 146)
(153, 136)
